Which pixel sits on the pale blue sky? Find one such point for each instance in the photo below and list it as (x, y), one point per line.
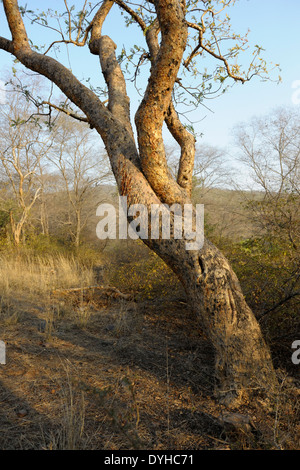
(274, 24)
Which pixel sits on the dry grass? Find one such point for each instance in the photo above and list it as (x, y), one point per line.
(41, 275)
(70, 432)
(23, 280)
(87, 372)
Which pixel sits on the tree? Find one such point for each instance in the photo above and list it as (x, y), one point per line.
(80, 165)
(269, 146)
(210, 170)
(22, 147)
(43, 215)
(243, 360)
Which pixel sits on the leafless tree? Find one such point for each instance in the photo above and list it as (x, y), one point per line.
(23, 145)
(269, 147)
(74, 153)
(211, 169)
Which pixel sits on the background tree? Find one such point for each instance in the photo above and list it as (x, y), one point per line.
(81, 166)
(43, 177)
(243, 361)
(269, 147)
(23, 145)
(210, 170)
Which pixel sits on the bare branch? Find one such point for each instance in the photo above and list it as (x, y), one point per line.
(104, 47)
(187, 143)
(65, 111)
(6, 45)
(70, 20)
(80, 22)
(133, 14)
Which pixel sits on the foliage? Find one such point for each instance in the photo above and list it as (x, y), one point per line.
(266, 270)
(143, 273)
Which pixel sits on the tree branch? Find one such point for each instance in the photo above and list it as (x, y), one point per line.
(133, 14)
(119, 143)
(97, 23)
(97, 114)
(184, 138)
(104, 47)
(154, 107)
(290, 296)
(201, 47)
(6, 45)
(16, 26)
(65, 111)
(187, 144)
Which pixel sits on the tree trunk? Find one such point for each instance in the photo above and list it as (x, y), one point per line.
(16, 229)
(77, 229)
(243, 362)
(44, 217)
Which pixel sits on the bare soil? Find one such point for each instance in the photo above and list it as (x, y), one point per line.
(90, 372)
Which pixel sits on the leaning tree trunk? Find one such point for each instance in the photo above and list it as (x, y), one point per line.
(243, 361)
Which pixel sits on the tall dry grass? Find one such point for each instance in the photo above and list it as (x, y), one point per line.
(32, 280)
(41, 275)
(70, 433)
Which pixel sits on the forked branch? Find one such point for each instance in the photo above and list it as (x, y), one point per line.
(155, 104)
(182, 136)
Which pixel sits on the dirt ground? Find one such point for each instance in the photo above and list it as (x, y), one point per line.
(88, 372)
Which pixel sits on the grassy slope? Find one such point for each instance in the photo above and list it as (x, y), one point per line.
(86, 370)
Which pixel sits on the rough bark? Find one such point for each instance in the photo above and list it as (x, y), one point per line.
(153, 109)
(243, 361)
(184, 138)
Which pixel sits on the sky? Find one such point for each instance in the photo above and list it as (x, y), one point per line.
(273, 24)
